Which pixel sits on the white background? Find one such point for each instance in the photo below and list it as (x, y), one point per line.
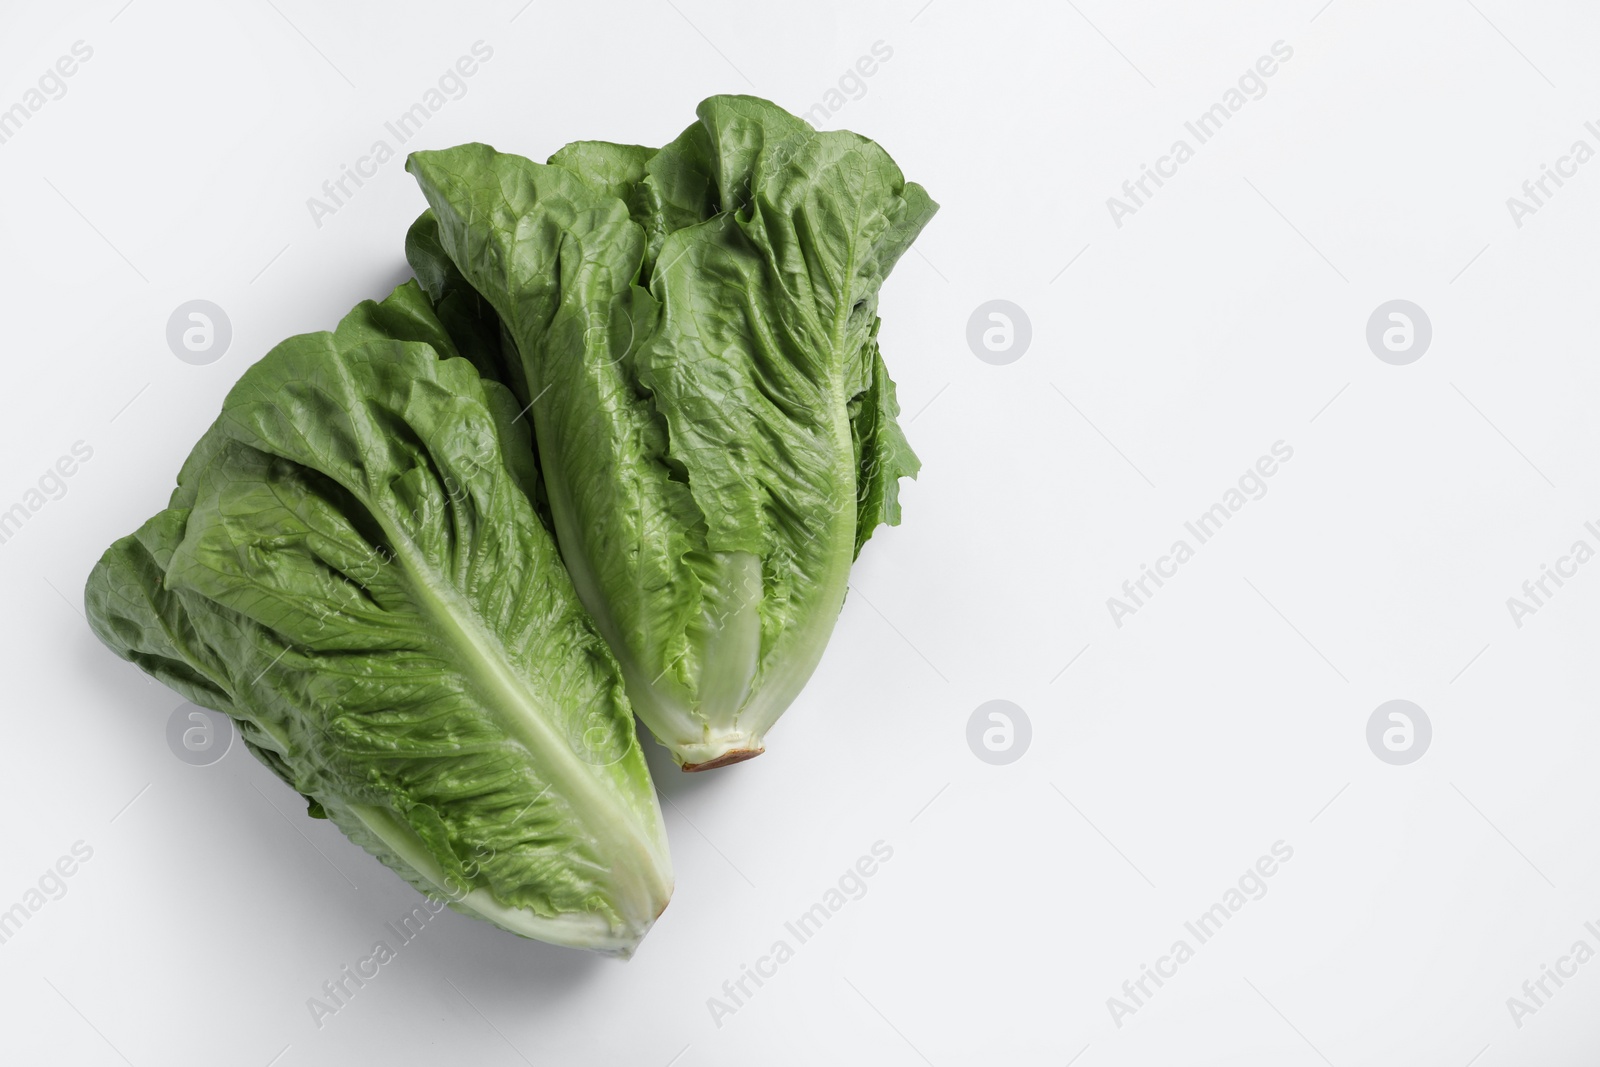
(1228, 714)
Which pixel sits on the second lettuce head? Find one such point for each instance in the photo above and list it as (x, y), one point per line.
(694, 332)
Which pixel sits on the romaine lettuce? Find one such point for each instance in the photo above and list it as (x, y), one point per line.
(351, 567)
(697, 333)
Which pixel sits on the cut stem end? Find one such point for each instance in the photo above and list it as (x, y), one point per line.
(737, 755)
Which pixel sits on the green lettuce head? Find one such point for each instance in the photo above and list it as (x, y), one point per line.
(693, 331)
(353, 569)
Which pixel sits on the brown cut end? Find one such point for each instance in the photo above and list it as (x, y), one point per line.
(738, 755)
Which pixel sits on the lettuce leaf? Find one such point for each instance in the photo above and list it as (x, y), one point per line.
(697, 332)
(352, 568)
